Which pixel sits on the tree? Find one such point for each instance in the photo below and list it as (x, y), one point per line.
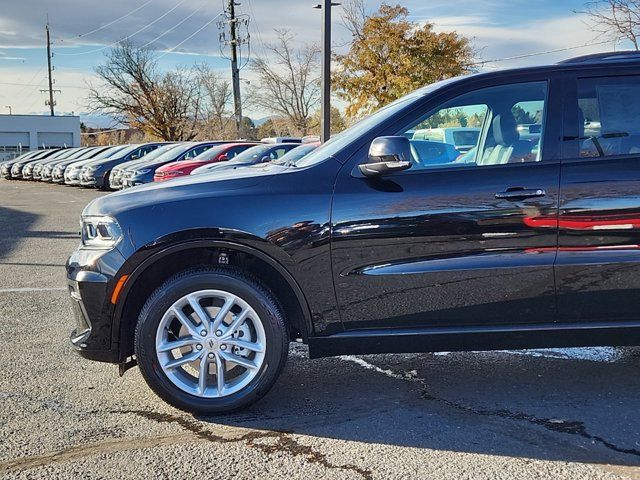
(616, 19)
(391, 56)
(288, 82)
(274, 127)
(354, 14)
(522, 116)
(218, 118)
(164, 105)
(337, 122)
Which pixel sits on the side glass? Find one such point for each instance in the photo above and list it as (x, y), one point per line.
(492, 126)
(608, 117)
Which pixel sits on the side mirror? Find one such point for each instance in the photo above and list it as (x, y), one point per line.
(265, 159)
(387, 155)
(223, 158)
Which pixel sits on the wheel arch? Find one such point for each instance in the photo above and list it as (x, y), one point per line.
(177, 257)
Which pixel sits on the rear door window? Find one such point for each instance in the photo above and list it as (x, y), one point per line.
(608, 117)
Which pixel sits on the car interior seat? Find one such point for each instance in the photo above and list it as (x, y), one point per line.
(508, 147)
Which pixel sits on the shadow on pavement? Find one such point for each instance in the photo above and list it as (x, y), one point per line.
(494, 403)
(15, 226)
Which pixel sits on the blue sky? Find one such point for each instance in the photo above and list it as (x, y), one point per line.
(498, 28)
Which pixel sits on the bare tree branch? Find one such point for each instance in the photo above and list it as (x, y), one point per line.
(616, 19)
(289, 83)
(165, 105)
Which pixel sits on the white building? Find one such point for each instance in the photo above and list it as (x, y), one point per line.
(20, 133)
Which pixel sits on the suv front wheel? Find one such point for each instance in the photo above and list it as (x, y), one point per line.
(211, 341)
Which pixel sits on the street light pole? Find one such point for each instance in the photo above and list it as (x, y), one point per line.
(9, 107)
(325, 100)
(325, 125)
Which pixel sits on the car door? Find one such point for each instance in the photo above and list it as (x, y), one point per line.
(456, 239)
(598, 265)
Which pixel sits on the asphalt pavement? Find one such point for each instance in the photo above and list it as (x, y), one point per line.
(547, 414)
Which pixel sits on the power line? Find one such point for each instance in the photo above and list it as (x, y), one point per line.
(256, 28)
(116, 20)
(535, 54)
(128, 36)
(174, 27)
(166, 52)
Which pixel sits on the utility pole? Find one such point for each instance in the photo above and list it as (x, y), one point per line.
(235, 73)
(325, 100)
(235, 42)
(51, 102)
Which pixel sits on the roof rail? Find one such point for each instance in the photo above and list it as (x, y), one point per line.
(628, 55)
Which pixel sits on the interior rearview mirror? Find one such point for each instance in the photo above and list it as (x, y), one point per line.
(387, 155)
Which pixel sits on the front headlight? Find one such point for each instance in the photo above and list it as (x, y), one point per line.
(142, 172)
(100, 232)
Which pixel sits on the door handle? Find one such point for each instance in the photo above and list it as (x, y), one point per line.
(519, 193)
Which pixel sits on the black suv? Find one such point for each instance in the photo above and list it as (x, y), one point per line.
(381, 242)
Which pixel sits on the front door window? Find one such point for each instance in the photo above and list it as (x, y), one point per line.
(491, 126)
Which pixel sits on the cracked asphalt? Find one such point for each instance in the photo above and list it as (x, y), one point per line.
(561, 414)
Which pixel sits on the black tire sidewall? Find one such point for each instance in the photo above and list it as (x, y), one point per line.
(188, 282)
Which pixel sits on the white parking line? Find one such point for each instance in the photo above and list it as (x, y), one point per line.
(20, 290)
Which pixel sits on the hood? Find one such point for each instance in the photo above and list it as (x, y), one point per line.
(220, 166)
(173, 166)
(181, 189)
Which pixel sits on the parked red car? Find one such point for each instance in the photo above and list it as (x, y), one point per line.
(220, 153)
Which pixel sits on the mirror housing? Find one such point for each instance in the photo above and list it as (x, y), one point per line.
(387, 155)
(265, 159)
(223, 158)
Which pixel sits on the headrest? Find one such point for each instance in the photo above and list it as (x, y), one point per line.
(505, 129)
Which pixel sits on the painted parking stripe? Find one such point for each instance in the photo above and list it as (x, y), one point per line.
(19, 290)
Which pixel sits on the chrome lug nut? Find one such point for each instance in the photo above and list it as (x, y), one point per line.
(198, 347)
(211, 355)
(218, 333)
(223, 347)
(203, 333)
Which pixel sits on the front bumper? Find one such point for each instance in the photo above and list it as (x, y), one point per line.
(88, 180)
(72, 179)
(90, 279)
(57, 177)
(135, 181)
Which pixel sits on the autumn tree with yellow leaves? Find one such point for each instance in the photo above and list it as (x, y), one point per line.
(391, 56)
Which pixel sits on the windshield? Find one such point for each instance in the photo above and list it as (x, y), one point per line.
(127, 150)
(84, 152)
(158, 152)
(209, 154)
(171, 154)
(338, 142)
(252, 154)
(109, 152)
(294, 156)
(70, 154)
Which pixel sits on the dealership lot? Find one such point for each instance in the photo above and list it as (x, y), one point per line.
(545, 414)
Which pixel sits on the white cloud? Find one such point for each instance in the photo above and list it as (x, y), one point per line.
(496, 42)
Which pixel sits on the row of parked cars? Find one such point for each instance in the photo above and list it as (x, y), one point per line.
(123, 166)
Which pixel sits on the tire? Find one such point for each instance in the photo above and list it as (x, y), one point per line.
(105, 182)
(158, 322)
